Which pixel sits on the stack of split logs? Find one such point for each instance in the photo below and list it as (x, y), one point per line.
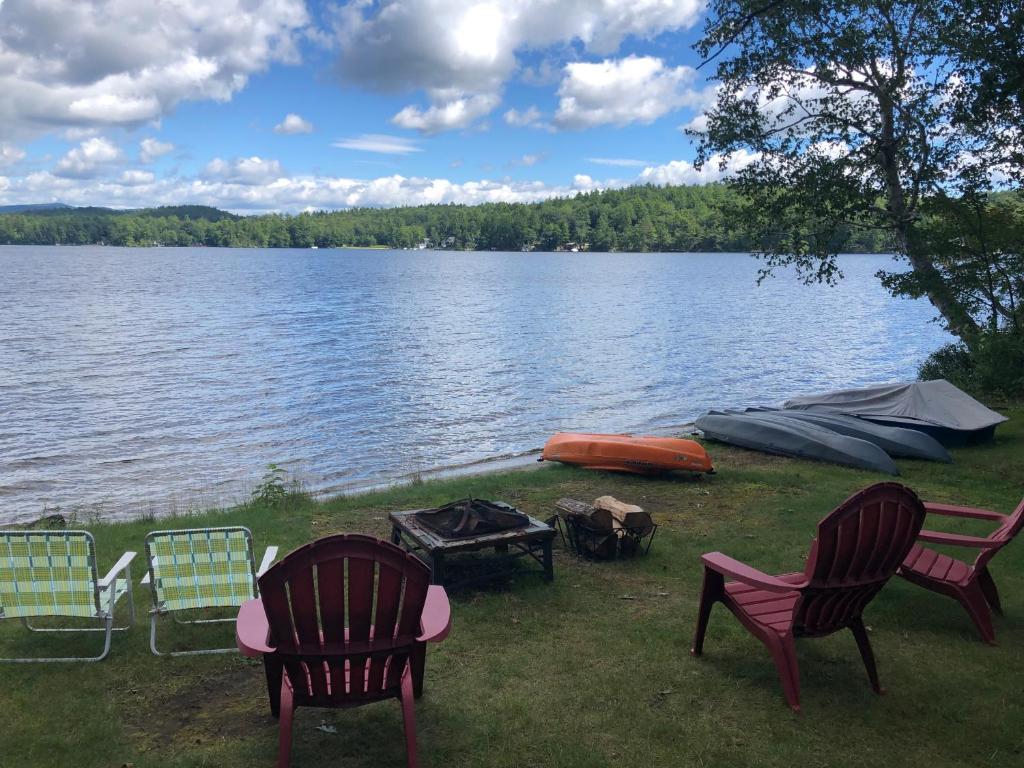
(607, 528)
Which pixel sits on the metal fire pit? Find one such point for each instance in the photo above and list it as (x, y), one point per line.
(530, 541)
(466, 518)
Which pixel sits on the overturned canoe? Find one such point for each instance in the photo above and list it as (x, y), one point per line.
(789, 437)
(896, 441)
(623, 453)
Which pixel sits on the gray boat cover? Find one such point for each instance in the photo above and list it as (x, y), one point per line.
(934, 402)
(790, 437)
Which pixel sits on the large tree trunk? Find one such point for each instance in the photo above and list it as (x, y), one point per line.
(958, 319)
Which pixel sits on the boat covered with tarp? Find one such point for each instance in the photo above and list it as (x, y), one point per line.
(936, 408)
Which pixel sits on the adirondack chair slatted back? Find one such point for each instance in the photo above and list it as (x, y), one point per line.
(858, 548)
(1004, 534)
(344, 612)
(201, 568)
(48, 573)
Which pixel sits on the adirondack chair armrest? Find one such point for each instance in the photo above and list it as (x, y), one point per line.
(119, 566)
(268, 560)
(957, 539)
(742, 572)
(252, 630)
(436, 619)
(954, 511)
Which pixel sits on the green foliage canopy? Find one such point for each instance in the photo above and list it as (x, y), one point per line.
(875, 115)
(644, 218)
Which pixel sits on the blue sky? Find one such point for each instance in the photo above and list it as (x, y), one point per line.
(260, 105)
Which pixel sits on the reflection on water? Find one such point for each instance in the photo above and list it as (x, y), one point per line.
(141, 380)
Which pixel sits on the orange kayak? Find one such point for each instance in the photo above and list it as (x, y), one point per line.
(622, 453)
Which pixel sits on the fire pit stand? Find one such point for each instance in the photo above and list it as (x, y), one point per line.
(533, 541)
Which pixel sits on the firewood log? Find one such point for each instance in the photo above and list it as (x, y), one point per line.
(573, 507)
(626, 515)
(594, 521)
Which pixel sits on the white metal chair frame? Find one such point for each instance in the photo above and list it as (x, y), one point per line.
(159, 610)
(105, 588)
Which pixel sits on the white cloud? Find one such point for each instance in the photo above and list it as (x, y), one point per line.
(682, 172)
(402, 44)
(136, 178)
(293, 124)
(548, 72)
(380, 143)
(291, 194)
(88, 63)
(257, 185)
(471, 48)
(833, 150)
(450, 111)
(77, 134)
(9, 154)
(112, 108)
(782, 105)
(581, 182)
(528, 117)
(226, 189)
(244, 170)
(90, 158)
(698, 124)
(619, 162)
(150, 149)
(620, 91)
(526, 161)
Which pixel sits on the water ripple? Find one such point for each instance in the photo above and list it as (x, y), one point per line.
(149, 380)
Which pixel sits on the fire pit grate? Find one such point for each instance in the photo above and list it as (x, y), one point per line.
(471, 517)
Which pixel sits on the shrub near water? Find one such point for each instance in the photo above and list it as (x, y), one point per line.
(996, 366)
(272, 490)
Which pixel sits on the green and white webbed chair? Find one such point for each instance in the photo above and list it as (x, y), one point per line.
(52, 574)
(199, 569)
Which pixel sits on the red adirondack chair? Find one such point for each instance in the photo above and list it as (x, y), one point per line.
(315, 658)
(971, 584)
(859, 546)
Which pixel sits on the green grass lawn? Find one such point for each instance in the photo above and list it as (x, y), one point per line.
(571, 673)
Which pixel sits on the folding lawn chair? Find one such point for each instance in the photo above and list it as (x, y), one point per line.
(53, 574)
(199, 569)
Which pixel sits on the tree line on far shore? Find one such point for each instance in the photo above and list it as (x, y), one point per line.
(704, 218)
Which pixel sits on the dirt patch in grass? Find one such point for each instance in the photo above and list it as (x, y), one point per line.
(191, 710)
(741, 458)
(372, 520)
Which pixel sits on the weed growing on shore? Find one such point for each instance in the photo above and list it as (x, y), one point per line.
(272, 490)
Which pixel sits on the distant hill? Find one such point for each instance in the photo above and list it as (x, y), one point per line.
(70, 210)
(204, 212)
(195, 212)
(34, 208)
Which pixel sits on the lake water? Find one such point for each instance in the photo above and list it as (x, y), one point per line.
(140, 381)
